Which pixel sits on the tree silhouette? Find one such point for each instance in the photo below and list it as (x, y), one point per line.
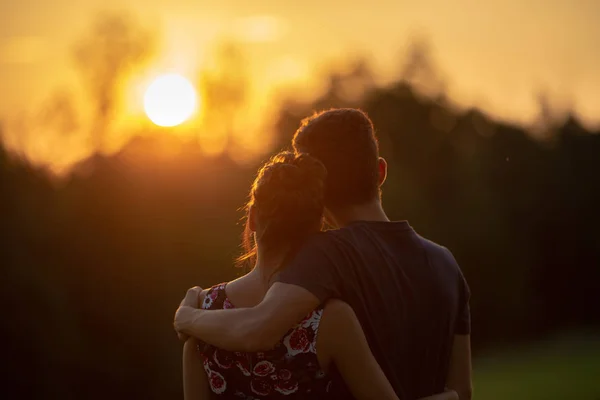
(420, 70)
(60, 114)
(225, 90)
(113, 45)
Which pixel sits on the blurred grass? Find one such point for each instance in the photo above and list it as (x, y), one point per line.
(565, 367)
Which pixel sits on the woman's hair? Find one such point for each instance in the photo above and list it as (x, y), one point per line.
(287, 201)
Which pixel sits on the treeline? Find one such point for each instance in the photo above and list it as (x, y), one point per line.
(93, 267)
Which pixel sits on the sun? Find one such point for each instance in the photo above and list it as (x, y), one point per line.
(170, 100)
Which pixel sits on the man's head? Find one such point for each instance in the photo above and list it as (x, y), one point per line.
(344, 141)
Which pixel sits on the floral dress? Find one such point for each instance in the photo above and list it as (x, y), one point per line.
(290, 370)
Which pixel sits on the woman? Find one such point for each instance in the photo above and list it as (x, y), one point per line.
(285, 208)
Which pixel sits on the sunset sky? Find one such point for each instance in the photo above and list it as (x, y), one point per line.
(494, 54)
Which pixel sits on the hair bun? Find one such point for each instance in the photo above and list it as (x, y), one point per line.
(311, 167)
(297, 171)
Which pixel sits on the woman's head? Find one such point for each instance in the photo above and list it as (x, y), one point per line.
(285, 206)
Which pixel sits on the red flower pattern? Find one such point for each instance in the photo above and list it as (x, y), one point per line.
(285, 374)
(222, 359)
(290, 367)
(264, 368)
(286, 387)
(261, 387)
(227, 304)
(297, 342)
(217, 382)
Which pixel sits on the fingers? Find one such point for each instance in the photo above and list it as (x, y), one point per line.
(446, 395)
(191, 299)
(195, 289)
(452, 395)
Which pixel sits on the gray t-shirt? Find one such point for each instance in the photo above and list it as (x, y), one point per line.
(409, 294)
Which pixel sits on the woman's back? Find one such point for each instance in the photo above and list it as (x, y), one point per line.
(291, 369)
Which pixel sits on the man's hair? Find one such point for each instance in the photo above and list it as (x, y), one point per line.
(344, 141)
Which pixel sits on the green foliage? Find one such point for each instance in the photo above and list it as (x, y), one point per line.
(564, 368)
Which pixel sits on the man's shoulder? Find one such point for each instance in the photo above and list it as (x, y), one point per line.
(324, 238)
(436, 252)
(430, 245)
(321, 246)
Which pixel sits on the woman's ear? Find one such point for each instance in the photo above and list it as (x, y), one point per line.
(252, 218)
(381, 171)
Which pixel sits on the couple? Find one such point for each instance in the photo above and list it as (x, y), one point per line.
(369, 310)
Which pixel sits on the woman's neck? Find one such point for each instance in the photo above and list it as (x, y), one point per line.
(250, 289)
(267, 264)
(259, 278)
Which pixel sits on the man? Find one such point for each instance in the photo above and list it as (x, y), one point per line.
(408, 293)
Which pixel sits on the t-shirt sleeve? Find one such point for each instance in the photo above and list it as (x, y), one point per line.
(462, 325)
(313, 268)
(463, 318)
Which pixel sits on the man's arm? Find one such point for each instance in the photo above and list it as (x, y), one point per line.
(342, 341)
(249, 329)
(459, 374)
(193, 298)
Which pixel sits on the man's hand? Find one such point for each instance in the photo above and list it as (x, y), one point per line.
(191, 300)
(184, 318)
(447, 395)
(192, 297)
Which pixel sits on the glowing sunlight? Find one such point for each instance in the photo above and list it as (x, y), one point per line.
(170, 100)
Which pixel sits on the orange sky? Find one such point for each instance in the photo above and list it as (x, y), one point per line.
(494, 54)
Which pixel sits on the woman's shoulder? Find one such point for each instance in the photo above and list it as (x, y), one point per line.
(338, 313)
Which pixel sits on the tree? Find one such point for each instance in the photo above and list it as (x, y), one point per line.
(225, 92)
(419, 69)
(113, 45)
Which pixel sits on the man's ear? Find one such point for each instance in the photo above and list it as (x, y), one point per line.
(381, 171)
(252, 218)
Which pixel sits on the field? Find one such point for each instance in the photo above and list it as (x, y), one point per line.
(566, 367)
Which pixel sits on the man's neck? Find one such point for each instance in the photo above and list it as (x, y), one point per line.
(372, 211)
